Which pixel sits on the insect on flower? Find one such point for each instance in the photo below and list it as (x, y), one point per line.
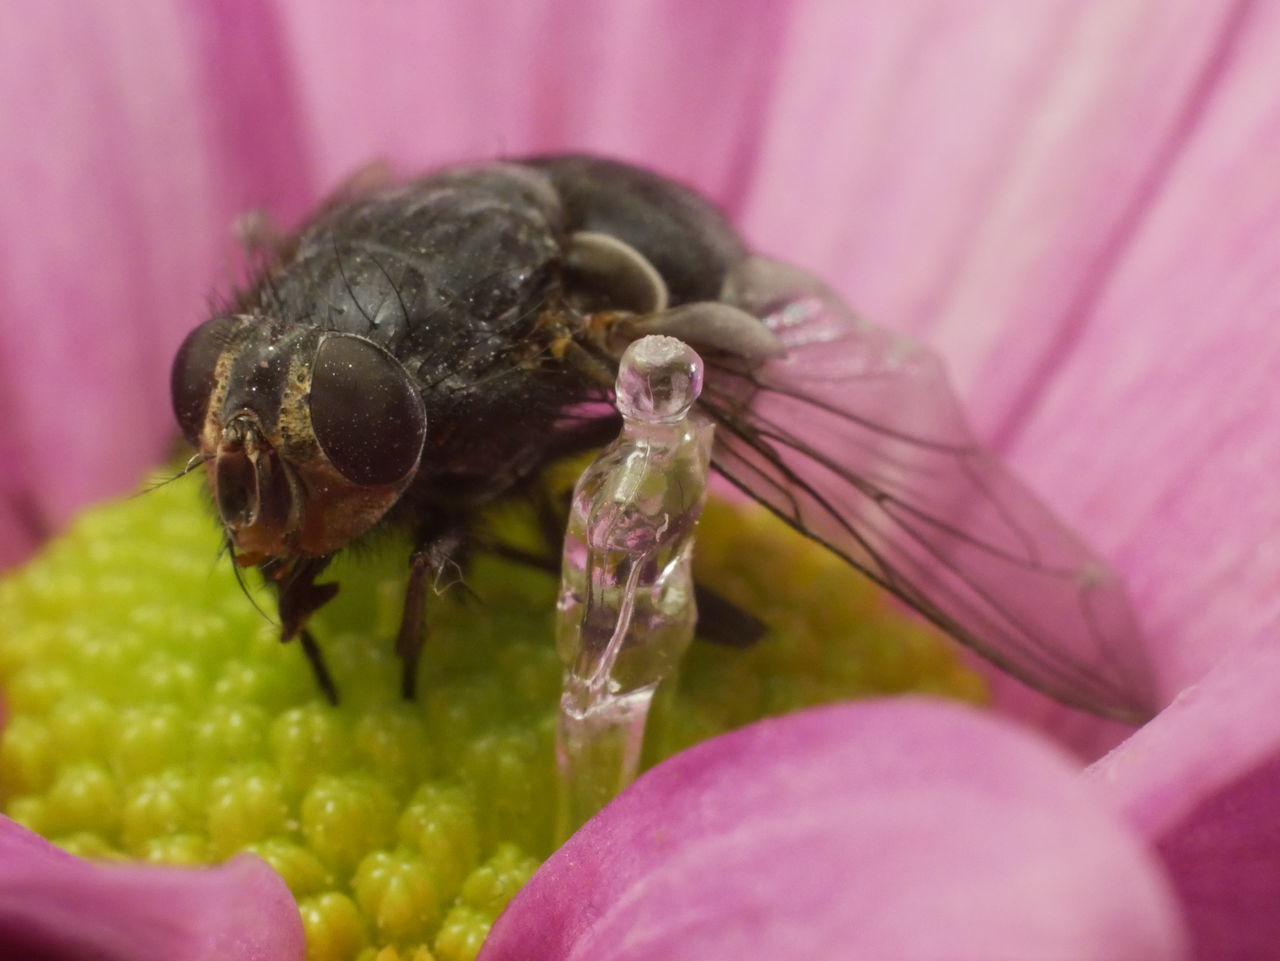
(417, 352)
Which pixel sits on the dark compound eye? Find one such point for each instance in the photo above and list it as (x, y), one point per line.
(366, 412)
(191, 379)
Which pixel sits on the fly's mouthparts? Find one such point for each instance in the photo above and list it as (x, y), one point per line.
(242, 433)
(252, 489)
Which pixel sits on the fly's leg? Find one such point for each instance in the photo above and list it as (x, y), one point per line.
(410, 640)
(436, 562)
(590, 367)
(721, 621)
(318, 667)
(299, 597)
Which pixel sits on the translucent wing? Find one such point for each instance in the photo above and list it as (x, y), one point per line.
(856, 438)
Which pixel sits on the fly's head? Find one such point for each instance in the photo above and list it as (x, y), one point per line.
(309, 436)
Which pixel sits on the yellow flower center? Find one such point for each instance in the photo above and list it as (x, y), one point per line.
(153, 714)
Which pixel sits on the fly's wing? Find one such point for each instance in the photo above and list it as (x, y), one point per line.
(856, 438)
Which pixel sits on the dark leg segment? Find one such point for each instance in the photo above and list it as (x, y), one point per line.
(299, 597)
(412, 624)
(318, 667)
(436, 561)
(721, 621)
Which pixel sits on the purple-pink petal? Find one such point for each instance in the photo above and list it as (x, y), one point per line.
(132, 139)
(55, 907)
(1077, 204)
(1202, 783)
(1021, 188)
(430, 83)
(908, 829)
(1160, 424)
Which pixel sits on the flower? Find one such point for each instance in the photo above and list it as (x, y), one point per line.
(887, 829)
(55, 906)
(156, 716)
(1075, 203)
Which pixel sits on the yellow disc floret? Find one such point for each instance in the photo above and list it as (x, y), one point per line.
(152, 713)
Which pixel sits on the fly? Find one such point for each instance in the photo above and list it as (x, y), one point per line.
(415, 353)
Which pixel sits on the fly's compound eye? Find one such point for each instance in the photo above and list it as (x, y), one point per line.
(366, 412)
(194, 369)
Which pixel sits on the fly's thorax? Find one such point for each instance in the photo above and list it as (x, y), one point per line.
(309, 436)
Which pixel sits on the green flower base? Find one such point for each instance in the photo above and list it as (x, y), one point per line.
(153, 714)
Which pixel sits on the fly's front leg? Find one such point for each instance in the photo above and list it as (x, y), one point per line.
(434, 563)
(298, 597)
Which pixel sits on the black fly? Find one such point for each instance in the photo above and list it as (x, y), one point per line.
(415, 353)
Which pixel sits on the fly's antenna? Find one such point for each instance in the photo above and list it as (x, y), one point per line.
(197, 460)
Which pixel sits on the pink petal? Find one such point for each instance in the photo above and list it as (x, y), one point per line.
(680, 86)
(907, 829)
(1076, 203)
(1168, 396)
(54, 907)
(972, 179)
(960, 175)
(1202, 782)
(951, 173)
(131, 140)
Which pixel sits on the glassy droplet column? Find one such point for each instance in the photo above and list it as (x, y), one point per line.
(626, 610)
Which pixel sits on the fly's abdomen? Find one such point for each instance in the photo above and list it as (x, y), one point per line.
(684, 237)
